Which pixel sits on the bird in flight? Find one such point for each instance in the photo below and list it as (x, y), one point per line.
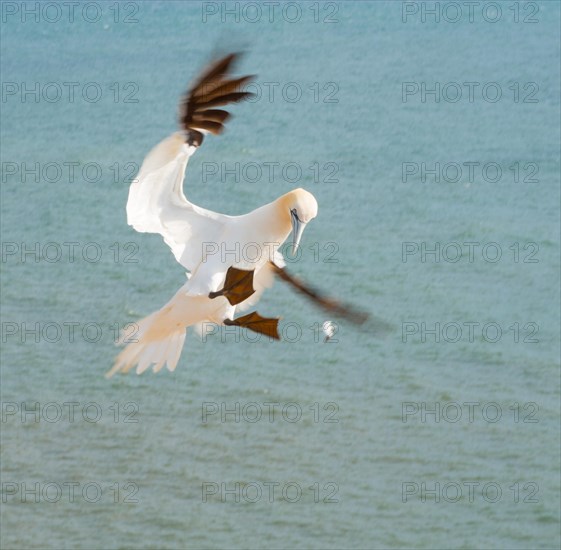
(218, 286)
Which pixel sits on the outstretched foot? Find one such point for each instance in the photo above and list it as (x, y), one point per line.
(253, 321)
(238, 286)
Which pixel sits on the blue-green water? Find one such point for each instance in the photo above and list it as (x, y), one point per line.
(383, 457)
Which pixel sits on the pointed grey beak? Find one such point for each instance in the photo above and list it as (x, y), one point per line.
(297, 230)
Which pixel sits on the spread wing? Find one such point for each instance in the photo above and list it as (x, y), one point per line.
(156, 202)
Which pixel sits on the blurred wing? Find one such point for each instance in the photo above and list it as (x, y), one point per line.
(326, 303)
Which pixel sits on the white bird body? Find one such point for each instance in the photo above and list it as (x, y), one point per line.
(204, 242)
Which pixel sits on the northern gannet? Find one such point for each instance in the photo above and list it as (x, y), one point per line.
(216, 289)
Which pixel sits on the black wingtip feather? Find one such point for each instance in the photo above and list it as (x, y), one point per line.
(213, 88)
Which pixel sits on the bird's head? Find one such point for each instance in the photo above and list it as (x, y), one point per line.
(302, 207)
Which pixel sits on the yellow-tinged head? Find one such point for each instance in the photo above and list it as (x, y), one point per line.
(302, 207)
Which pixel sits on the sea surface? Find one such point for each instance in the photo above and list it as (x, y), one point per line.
(434, 425)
